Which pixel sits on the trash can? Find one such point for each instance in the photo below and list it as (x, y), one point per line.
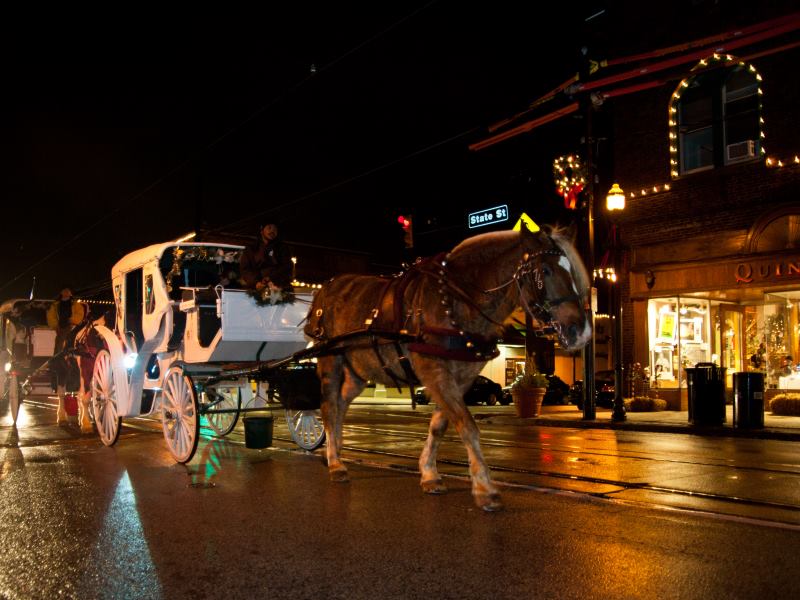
(258, 432)
(706, 394)
(748, 400)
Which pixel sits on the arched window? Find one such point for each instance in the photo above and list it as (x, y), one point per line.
(715, 117)
(776, 230)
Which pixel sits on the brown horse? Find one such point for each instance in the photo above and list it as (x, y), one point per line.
(438, 323)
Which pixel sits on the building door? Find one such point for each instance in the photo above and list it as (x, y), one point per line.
(730, 340)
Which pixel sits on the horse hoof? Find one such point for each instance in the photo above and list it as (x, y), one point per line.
(339, 477)
(433, 486)
(489, 503)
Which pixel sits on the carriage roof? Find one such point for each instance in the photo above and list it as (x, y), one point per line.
(22, 304)
(153, 254)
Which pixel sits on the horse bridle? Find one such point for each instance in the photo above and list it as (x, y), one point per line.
(532, 264)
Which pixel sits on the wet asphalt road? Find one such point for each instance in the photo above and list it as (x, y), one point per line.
(78, 520)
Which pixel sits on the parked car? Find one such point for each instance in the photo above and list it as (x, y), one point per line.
(557, 391)
(482, 391)
(603, 390)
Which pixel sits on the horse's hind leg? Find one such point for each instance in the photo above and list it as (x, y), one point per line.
(61, 411)
(84, 394)
(83, 412)
(430, 480)
(338, 390)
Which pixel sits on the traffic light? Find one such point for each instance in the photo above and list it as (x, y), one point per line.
(408, 233)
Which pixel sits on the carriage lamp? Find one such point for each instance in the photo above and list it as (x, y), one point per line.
(7, 367)
(130, 360)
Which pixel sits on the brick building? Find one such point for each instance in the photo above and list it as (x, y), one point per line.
(703, 139)
(712, 223)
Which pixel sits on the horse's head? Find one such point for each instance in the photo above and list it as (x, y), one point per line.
(553, 284)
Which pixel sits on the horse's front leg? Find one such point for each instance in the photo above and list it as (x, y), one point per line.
(484, 491)
(430, 480)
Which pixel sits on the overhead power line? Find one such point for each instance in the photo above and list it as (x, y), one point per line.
(345, 182)
(290, 90)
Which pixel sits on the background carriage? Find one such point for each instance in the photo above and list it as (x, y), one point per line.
(26, 347)
(184, 346)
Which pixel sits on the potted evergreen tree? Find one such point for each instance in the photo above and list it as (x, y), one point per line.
(528, 390)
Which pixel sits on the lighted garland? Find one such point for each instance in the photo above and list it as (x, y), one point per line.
(570, 178)
(267, 296)
(198, 253)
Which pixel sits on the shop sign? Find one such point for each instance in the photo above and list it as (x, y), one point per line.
(488, 216)
(748, 272)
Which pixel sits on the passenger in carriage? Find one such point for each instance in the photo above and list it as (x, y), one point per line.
(267, 263)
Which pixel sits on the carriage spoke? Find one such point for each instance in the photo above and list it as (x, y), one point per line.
(181, 439)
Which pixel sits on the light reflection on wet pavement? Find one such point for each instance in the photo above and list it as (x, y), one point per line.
(79, 520)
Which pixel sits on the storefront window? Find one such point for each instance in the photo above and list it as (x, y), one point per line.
(780, 338)
(763, 337)
(679, 337)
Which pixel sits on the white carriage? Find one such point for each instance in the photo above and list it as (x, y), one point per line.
(186, 344)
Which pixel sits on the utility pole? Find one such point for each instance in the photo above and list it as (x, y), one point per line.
(589, 412)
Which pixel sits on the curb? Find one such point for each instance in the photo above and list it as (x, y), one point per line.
(688, 429)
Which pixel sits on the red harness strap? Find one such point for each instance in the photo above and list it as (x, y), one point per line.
(451, 344)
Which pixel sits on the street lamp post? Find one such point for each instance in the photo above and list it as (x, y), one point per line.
(615, 201)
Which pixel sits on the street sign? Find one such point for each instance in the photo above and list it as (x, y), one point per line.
(488, 216)
(525, 219)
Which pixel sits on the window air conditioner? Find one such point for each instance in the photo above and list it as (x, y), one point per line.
(741, 151)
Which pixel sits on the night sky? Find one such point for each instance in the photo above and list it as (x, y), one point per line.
(130, 128)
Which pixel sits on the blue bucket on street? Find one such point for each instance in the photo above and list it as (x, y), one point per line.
(258, 432)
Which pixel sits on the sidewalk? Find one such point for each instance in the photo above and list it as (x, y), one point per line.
(666, 421)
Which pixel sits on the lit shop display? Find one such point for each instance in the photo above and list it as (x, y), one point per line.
(686, 331)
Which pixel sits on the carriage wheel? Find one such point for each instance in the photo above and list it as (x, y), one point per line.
(180, 415)
(305, 427)
(104, 399)
(223, 423)
(13, 396)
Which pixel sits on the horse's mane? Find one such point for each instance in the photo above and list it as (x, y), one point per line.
(489, 244)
